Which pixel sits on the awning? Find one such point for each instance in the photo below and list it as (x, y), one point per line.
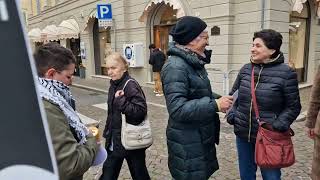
(153, 3)
(50, 33)
(298, 6)
(68, 29)
(35, 35)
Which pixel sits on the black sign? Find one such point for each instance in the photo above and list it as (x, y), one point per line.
(215, 31)
(26, 150)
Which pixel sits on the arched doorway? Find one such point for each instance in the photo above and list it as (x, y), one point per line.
(160, 16)
(164, 18)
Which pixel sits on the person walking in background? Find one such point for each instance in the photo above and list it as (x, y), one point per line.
(157, 60)
(272, 78)
(75, 147)
(313, 125)
(193, 126)
(131, 102)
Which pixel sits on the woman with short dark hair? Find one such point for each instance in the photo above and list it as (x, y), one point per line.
(277, 94)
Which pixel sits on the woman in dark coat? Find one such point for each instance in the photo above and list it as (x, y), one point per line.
(313, 125)
(132, 103)
(277, 96)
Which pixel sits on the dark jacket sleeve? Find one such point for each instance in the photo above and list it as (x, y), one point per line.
(151, 59)
(73, 158)
(292, 103)
(216, 96)
(132, 104)
(180, 107)
(314, 105)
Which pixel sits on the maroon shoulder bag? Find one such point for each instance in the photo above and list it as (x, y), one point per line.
(273, 149)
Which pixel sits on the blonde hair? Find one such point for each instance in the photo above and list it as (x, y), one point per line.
(115, 56)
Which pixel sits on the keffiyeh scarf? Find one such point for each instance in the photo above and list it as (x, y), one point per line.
(58, 93)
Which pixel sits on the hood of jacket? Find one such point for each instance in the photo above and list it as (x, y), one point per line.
(189, 56)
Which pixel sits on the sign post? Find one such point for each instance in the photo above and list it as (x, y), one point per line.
(27, 151)
(104, 12)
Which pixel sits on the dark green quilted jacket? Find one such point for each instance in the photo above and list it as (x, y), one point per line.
(193, 126)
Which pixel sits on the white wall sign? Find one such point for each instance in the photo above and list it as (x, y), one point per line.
(82, 50)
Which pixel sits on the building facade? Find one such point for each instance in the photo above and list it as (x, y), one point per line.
(231, 24)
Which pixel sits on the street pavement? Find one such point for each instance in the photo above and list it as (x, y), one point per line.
(91, 104)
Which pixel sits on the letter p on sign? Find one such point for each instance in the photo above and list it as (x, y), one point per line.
(104, 11)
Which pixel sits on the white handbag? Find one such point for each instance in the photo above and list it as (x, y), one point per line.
(136, 136)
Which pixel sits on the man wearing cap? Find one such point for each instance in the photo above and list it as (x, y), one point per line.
(194, 125)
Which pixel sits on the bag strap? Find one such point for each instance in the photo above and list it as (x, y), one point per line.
(136, 84)
(253, 94)
(126, 84)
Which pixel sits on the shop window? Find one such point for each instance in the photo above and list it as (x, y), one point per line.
(105, 48)
(299, 41)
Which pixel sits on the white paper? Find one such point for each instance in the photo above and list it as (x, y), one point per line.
(235, 97)
(101, 156)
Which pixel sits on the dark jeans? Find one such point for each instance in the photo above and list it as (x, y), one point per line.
(136, 162)
(247, 165)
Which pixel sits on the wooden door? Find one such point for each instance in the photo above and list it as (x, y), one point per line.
(161, 37)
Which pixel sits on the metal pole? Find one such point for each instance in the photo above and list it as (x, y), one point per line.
(263, 2)
(228, 74)
(114, 35)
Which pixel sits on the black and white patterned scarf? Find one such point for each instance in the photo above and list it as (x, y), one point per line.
(58, 93)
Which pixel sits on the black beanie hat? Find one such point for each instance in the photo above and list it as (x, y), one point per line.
(187, 29)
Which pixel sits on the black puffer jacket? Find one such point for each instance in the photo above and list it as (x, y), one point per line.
(193, 126)
(277, 98)
(132, 104)
(157, 59)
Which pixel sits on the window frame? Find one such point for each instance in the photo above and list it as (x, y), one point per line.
(304, 76)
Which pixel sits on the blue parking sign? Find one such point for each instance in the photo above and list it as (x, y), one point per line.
(104, 11)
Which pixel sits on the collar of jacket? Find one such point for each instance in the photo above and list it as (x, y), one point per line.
(189, 56)
(119, 81)
(277, 60)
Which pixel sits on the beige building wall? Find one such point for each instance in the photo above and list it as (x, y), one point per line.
(26, 8)
(237, 20)
(34, 7)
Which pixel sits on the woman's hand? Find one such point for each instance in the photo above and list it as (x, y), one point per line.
(119, 93)
(310, 133)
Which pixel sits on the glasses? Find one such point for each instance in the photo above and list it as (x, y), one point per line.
(204, 37)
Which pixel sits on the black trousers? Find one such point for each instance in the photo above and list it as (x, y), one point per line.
(136, 162)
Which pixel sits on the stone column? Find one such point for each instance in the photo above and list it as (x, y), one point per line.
(88, 62)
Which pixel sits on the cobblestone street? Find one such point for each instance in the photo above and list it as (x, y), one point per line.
(157, 154)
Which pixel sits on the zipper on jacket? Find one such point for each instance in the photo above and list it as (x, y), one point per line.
(250, 117)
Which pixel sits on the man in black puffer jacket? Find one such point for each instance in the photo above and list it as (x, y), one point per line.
(193, 126)
(277, 94)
